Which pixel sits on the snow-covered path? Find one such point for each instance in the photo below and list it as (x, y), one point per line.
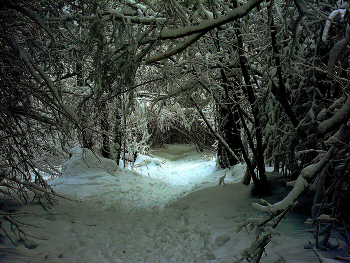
(169, 208)
(152, 182)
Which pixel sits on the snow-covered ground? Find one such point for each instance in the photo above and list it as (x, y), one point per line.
(167, 208)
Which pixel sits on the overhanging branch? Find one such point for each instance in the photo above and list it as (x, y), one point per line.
(196, 32)
(207, 25)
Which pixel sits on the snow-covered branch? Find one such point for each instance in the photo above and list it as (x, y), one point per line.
(264, 229)
(328, 22)
(310, 172)
(182, 89)
(39, 74)
(339, 118)
(337, 51)
(33, 16)
(148, 7)
(196, 32)
(110, 14)
(189, 41)
(207, 25)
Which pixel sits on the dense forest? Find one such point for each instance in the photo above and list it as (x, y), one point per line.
(259, 82)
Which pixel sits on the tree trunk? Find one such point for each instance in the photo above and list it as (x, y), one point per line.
(85, 131)
(105, 130)
(248, 89)
(87, 138)
(247, 175)
(227, 132)
(228, 122)
(118, 131)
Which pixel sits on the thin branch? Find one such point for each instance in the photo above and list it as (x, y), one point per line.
(188, 42)
(213, 132)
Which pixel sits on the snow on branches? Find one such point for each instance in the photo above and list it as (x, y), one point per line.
(263, 227)
(309, 173)
(334, 14)
(340, 117)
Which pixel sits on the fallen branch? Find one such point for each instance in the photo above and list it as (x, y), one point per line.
(263, 229)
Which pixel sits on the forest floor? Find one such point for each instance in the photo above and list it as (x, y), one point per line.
(167, 208)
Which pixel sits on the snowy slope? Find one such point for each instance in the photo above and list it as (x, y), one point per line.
(169, 208)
